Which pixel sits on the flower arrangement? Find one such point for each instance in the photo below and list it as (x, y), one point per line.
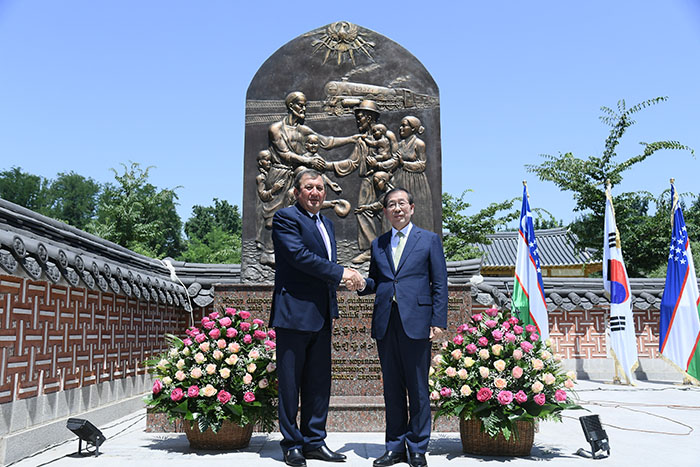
(223, 371)
(500, 372)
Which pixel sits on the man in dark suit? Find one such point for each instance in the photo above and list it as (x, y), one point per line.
(303, 306)
(408, 274)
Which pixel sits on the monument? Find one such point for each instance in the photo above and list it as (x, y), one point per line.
(356, 106)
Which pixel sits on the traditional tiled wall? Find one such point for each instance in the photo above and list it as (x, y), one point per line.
(580, 334)
(55, 338)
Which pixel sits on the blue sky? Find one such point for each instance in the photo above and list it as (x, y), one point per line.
(88, 85)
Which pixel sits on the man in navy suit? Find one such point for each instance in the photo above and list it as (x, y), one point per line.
(408, 274)
(303, 306)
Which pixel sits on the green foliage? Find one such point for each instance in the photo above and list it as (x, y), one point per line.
(24, 189)
(586, 179)
(137, 215)
(466, 230)
(73, 199)
(214, 234)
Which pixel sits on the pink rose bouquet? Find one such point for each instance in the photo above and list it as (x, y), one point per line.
(519, 379)
(218, 372)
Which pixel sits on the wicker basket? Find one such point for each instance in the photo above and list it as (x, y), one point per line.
(475, 441)
(230, 436)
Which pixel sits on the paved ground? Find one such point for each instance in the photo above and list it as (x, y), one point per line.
(653, 424)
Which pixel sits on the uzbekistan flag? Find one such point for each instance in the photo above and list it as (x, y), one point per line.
(623, 342)
(528, 291)
(679, 324)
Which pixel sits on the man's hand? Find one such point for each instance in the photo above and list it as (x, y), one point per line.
(352, 279)
(318, 163)
(435, 331)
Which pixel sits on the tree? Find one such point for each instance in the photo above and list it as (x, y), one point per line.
(464, 230)
(586, 179)
(139, 216)
(214, 234)
(73, 199)
(25, 189)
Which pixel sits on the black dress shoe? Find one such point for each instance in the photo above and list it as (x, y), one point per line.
(325, 454)
(390, 458)
(417, 460)
(295, 458)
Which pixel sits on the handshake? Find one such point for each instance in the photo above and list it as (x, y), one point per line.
(353, 280)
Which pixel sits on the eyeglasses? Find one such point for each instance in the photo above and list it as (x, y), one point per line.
(402, 204)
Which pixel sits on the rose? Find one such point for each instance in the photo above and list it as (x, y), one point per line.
(180, 364)
(221, 343)
(271, 334)
(517, 372)
(500, 365)
(204, 346)
(484, 372)
(468, 362)
(569, 384)
(483, 341)
(245, 327)
(537, 364)
(163, 364)
(458, 339)
(208, 390)
(186, 352)
(517, 354)
(497, 349)
(437, 359)
(223, 397)
(225, 373)
(251, 367)
(465, 390)
(512, 320)
(208, 324)
(180, 375)
(177, 394)
(484, 394)
(230, 311)
(232, 359)
(218, 355)
(530, 328)
(560, 395)
(263, 383)
(270, 367)
(254, 354)
(215, 333)
(505, 326)
(526, 346)
(517, 329)
(571, 374)
(260, 335)
(537, 387)
(456, 354)
(167, 381)
(244, 314)
(187, 341)
(247, 378)
(484, 354)
(549, 379)
(192, 391)
(500, 383)
(157, 387)
(497, 335)
(462, 373)
(505, 397)
(199, 357)
(490, 323)
(434, 396)
(231, 332)
(492, 312)
(451, 372)
(509, 337)
(249, 397)
(259, 322)
(234, 347)
(225, 321)
(540, 399)
(545, 355)
(445, 392)
(173, 352)
(521, 397)
(470, 348)
(214, 314)
(247, 339)
(196, 372)
(210, 369)
(269, 345)
(477, 317)
(534, 337)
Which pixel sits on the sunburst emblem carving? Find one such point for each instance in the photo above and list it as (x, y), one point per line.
(343, 38)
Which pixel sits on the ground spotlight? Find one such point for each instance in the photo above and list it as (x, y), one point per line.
(595, 435)
(87, 432)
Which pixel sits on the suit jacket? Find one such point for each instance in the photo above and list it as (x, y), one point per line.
(305, 280)
(419, 284)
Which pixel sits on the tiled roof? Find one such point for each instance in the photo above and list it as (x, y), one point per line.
(557, 248)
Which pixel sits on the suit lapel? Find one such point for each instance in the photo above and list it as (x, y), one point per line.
(387, 250)
(311, 225)
(411, 242)
(331, 236)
